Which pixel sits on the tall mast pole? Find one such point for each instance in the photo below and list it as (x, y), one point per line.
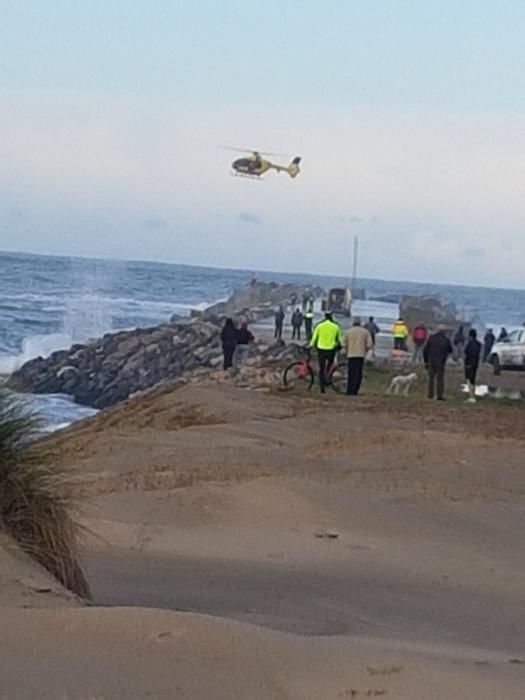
(354, 268)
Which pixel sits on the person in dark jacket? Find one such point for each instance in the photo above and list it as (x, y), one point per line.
(279, 321)
(459, 344)
(435, 355)
(472, 356)
(229, 342)
(488, 344)
(502, 335)
(297, 322)
(244, 339)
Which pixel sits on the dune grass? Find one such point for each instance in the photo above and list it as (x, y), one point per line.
(36, 507)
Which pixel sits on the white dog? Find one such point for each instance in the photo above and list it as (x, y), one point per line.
(402, 384)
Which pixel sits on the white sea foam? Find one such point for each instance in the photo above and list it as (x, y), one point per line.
(34, 346)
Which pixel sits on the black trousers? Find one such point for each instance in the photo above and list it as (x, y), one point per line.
(355, 375)
(228, 351)
(326, 359)
(436, 381)
(296, 333)
(278, 331)
(308, 328)
(400, 344)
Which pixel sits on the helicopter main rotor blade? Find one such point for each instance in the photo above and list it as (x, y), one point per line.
(240, 150)
(255, 150)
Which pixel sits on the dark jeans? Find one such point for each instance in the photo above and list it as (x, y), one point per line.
(296, 333)
(436, 380)
(355, 375)
(278, 331)
(471, 372)
(326, 359)
(400, 344)
(228, 351)
(308, 328)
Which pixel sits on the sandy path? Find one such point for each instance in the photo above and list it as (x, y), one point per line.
(399, 568)
(139, 653)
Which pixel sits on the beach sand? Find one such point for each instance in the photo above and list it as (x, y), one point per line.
(255, 545)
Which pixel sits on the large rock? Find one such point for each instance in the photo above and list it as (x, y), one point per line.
(430, 311)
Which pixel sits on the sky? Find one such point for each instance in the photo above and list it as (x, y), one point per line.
(409, 117)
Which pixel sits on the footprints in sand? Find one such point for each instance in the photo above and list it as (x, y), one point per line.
(384, 671)
(370, 693)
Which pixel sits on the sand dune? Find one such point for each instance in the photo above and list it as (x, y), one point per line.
(274, 547)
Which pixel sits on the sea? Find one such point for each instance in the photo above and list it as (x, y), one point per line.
(49, 302)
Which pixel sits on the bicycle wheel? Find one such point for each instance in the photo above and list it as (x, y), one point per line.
(339, 378)
(298, 376)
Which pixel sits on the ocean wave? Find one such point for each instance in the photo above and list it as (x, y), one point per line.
(34, 346)
(55, 411)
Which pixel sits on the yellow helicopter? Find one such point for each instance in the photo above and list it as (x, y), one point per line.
(255, 165)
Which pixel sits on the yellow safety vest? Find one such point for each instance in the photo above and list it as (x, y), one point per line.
(400, 330)
(327, 335)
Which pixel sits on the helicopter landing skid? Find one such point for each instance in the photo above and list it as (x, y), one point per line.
(250, 177)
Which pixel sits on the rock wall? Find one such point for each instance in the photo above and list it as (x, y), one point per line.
(109, 370)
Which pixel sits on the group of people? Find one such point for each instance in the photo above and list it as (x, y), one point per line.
(235, 343)
(420, 335)
(356, 342)
(328, 339)
(298, 320)
(434, 350)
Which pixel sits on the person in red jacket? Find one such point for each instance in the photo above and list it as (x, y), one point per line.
(419, 338)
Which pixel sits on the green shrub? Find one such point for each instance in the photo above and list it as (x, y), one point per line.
(36, 504)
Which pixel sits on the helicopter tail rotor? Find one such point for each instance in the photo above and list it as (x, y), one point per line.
(293, 169)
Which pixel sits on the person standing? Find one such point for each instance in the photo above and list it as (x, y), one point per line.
(419, 338)
(279, 322)
(372, 327)
(400, 333)
(297, 322)
(357, 342)
(472, 355)
(458, 344)
(244, 339)
(308, 323)
(488, 344)
(435, 355)
(327, 341)
(502, 335)
(229, 342)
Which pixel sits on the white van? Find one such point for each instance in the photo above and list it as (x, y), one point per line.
(509, 353)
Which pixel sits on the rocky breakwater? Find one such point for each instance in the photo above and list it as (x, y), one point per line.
(260, 299)
(109, 370)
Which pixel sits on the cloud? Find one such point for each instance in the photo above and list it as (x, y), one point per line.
(154, 222)
(349, 219)
(473, 252)
(249, 218)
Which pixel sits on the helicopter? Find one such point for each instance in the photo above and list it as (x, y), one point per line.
(255, 165)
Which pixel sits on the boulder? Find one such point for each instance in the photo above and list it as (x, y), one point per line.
(431, 311)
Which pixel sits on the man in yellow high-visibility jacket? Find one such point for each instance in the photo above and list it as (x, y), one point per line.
(327, 341)
(400, 333)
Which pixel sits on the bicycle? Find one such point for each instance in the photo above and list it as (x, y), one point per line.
(301, 374)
